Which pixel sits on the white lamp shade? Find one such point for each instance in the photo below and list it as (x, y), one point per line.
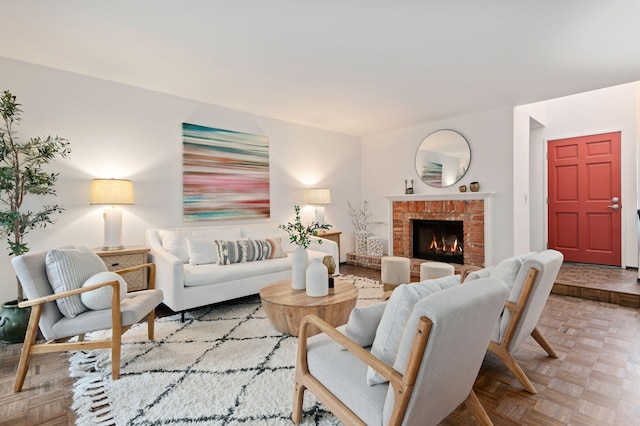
(319, 196)
(111, 192)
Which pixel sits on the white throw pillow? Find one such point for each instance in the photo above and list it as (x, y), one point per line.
(395, 316)
(101, 298)
(508, 269)
(174, 243)
(68, 269)
(363, 322)
(201, 252)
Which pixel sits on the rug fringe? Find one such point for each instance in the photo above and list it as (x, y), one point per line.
(90, 401)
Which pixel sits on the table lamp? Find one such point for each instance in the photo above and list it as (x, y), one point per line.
(319, 197)
(112, 192)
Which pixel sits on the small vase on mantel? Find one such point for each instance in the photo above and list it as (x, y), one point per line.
(299, 263)
(317, 279)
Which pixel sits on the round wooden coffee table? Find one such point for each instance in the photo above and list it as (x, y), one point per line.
(285, 307)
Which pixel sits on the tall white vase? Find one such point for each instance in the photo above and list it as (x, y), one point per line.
(300, 261)
(317, 279)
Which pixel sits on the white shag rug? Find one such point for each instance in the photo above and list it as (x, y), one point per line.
(225, 365)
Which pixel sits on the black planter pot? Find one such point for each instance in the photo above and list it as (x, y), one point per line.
(13, 322)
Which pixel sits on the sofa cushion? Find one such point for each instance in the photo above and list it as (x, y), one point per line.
(175, 240)
(395, 316)
(68, 269)
(241, 251)
(201, 252)
(277, 250)
(174, 243)
(101, 298)
(262, 232)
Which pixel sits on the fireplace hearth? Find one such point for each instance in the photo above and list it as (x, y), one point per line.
(438, 240)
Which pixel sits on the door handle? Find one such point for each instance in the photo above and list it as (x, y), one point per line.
(614, 207)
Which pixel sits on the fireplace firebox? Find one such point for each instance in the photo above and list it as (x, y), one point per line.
(438, 240)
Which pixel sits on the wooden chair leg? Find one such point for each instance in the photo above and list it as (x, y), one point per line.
(151, 318)
(513, 366)
(29, 341)
(473, 404)
(298, 399)
(116, 344)
(538, 337)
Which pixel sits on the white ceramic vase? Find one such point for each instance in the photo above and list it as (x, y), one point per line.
(299, 263)
(317, 279)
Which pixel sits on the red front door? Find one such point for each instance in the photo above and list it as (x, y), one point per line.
(584, 198)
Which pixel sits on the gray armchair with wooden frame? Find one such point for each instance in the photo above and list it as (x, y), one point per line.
(528, 294)
(440, 352)
(57, 329)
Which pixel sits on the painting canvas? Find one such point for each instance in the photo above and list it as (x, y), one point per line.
(225, 174)
(432, 173)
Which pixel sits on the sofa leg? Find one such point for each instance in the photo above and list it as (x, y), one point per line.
(181, 316)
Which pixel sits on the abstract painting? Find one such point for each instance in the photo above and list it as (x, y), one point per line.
(225, 174)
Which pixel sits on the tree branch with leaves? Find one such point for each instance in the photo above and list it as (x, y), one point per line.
(21, 174)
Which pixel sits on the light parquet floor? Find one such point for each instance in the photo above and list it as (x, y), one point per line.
(596, 380)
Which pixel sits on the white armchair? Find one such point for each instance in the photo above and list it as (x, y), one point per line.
(530, 278)
(57, 328)
(440, 351)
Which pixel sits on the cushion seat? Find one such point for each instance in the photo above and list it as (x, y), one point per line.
(134, 307)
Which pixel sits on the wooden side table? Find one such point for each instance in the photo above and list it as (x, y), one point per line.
(126, 258)
(285, 307)
(333, 236)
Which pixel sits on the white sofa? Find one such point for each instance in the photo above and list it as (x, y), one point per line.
(186, 285)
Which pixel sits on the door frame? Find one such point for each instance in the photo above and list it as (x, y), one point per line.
(624, 190)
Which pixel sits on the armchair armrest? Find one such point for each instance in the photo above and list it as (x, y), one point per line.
(365, 356)
(54, 297)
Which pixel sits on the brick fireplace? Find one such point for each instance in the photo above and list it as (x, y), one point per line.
(470, 212)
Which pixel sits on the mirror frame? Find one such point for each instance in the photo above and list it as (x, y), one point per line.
(436, 172)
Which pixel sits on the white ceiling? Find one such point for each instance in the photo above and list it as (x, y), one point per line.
(351, 66)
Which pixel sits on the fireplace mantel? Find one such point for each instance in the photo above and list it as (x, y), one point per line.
(441, 197)
(451, 205)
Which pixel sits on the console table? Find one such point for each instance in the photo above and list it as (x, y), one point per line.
(333, 236)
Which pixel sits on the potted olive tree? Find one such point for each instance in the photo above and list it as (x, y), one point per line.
(22, 174)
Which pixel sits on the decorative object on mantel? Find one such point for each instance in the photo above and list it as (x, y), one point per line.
(408, 189)
(317, 279)
(300, 235)
(462, 188)
(374, 246)
(475, 186)
(443, 158)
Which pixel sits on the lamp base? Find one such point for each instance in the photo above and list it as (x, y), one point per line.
(112, 229)
(112, 248)
(320, 215)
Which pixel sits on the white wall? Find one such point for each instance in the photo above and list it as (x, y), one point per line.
(600, 111)
(126, 132)
(389, 158)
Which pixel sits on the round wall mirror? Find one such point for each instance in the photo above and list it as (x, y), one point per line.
(443, 158)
